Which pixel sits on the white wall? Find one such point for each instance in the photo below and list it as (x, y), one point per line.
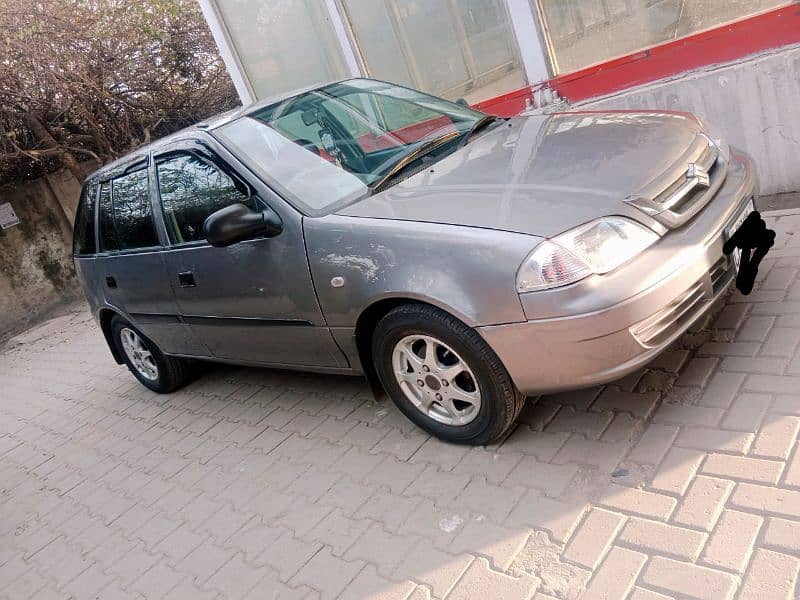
(754, 104)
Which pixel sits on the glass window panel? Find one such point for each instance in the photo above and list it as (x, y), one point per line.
(585, 32)
(83, 240)
(451, 48)
(283, 45)
(133, 213)
(192, 189)
(108, 234)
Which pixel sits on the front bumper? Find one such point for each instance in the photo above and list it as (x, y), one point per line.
(604, 327)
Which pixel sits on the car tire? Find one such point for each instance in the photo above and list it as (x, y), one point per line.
(156, 371)
(415, 349)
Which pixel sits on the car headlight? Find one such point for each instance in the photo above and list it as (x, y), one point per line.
(591, 249)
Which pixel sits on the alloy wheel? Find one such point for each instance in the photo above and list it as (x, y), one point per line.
(436, 380)
(141, 358)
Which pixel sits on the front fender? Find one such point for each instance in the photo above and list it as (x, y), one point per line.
(466, 271)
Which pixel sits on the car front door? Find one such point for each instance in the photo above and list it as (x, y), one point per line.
(254, 301)
(129, 265)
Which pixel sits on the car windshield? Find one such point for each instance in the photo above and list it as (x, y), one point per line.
(325, 148)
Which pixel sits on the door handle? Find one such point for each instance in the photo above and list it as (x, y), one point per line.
(186, 279)
(111, 282)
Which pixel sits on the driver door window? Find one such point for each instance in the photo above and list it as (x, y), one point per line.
(191, 189)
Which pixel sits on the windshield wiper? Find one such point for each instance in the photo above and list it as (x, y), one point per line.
(412, 156)
(476, 127)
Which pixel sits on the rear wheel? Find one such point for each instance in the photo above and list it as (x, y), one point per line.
(443, 376)
(160, 373)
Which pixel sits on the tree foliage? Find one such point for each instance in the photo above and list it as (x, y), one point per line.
(86, 79)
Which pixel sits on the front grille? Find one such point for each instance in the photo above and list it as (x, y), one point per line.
(677, 201)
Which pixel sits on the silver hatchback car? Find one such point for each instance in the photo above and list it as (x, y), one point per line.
(460, 261)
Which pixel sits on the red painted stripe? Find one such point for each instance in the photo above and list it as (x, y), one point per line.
(769, 30)
(772, 29)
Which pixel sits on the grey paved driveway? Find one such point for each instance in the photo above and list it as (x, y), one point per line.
(680, 481)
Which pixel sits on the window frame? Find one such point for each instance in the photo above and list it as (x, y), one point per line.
(138, 163)
(199, 151)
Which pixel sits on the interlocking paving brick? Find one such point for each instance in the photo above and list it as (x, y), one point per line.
(747, 412)
(677, 470)
(640, 593)
(654, 444)
(741, 467)
(235, 578)
(551, 479)
(555, 516)
(480, 581)
(327, 574)
(436, 452)
(595, 536)
(368, 584)
(491, 500)
(703, 503)
(617, 575)
(697, 372)
(721, 390)
(494, 466)
(338, 531)
(770, 500)
(776, 437)
(436, 569)
(638, 404)
(437, 485)
(382, 549)
(710, 439)
(103, 470)
(662, 539)
(782, 535)
(605, 456)
(638, 502)
(770, 575)
(499, 544)
(680, 414)
(677, 577)
(732, 542)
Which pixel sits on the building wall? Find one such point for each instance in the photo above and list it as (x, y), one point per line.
(36, 271)
(753, 103)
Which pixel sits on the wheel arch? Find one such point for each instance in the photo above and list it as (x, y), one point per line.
(368, 320)
(105, 316)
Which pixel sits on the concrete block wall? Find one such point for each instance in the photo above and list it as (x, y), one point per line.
(754, 104)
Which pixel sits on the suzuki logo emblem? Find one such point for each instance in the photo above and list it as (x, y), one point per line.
(699, 174)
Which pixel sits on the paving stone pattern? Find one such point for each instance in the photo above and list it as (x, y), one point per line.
(682, 480)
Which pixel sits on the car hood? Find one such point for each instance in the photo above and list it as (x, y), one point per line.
(541, 175)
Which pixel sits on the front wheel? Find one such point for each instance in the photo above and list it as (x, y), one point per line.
(153, 369)
(443, 376)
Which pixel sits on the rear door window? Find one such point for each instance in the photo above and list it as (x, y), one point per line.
(133, 213)
(191, 189)
(83, 242)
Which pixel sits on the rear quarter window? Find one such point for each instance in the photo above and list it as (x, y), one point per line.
(83, 239)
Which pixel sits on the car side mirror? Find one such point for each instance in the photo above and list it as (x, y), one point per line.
(236, 223)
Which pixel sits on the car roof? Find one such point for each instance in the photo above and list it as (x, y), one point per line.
(140, 153)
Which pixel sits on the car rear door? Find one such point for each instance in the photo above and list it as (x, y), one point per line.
(254, 301)
(130, 267)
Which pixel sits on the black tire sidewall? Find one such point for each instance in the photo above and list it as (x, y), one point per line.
(491, 419)
(162, 384)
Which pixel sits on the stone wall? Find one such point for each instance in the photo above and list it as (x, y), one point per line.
(36, 271)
